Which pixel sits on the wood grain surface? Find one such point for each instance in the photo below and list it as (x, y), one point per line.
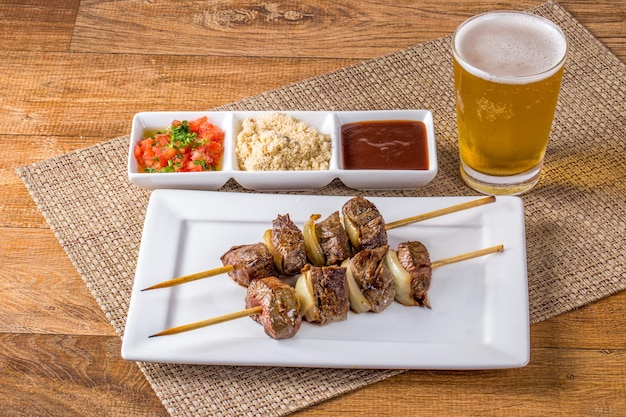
(74, 73)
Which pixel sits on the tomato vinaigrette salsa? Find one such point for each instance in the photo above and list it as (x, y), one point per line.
(182, 147)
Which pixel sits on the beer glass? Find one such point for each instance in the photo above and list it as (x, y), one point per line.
(507, 74)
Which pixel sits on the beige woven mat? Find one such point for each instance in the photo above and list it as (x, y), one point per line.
(575, 216)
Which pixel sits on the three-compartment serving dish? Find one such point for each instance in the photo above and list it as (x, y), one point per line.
(327, 122)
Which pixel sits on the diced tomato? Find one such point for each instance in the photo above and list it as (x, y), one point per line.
(201, 150)
(195, 125)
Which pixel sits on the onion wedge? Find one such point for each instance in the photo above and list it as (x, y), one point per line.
(401, 279)
(354, 235)
(305, 293)
(304, 289)
(311, 243)
(358, 302)
(278, 259)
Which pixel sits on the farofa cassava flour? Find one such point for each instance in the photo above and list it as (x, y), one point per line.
(280, 142)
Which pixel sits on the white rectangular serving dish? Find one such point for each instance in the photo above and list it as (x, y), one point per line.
(323, 121)
(479, 317)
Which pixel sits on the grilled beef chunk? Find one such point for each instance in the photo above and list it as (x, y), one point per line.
(288, 240)
(373, 277)
(280, 315)
(367, 219)
(330, 290)
(250, 262)
(415, 259)
(333, 239)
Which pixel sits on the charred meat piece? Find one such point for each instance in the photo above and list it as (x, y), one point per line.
(288, 242)
(363, 219)
(250, 262)
(373, 278)
(333, 239)
(330, 294)
(415, 259)
(280, 315)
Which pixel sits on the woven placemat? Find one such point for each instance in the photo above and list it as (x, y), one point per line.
(574, 217)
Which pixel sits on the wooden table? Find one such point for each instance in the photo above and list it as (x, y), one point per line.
(74, 73)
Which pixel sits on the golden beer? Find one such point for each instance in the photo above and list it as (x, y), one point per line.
(507, 71)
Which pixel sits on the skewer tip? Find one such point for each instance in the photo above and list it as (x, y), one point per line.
(153, 287)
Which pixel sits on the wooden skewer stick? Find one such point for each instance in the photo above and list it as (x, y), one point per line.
(257, 310)
(388, 226)
(468, 255)
(192, 277)
(209, 322)
(440, 212)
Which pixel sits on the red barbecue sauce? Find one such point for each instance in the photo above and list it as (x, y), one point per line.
(385, 144)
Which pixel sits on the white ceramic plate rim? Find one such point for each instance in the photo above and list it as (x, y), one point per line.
(479, 318)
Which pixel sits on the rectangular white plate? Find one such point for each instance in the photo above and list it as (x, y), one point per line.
(479, 317)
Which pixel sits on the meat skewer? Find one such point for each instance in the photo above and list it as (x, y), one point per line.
(282, 252)
(243, 263)
(377, 276)
(367, 229)
(411, 269)
(332, 240)
(269, 301)
(272, 302)
(325, 243)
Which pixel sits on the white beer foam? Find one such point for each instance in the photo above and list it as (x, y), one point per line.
(510, 47)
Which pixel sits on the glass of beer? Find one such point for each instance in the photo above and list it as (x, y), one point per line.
(508, 67)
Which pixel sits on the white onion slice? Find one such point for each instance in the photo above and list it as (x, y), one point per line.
(353, 233)
(304, 289)
(278, 259)
(401, 279)
(305, 293)
(311, 243)
(358, 302)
